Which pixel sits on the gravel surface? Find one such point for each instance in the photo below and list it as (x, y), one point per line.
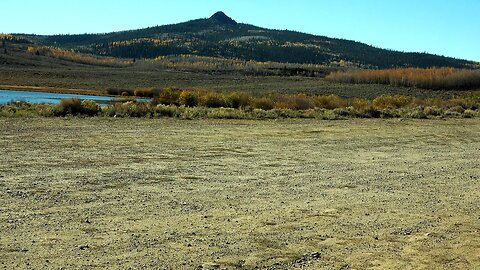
(206, 194)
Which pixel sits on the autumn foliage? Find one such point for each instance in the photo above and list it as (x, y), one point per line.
(77, 57)
(431, 78)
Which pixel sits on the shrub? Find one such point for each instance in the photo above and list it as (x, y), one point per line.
(132, 109)
(361, 104)
(213, 100)
(146, 92)
(119, 92)
(330, 102)
(432, 111)
(90, 108)
(470, 113)
(162, 110)
(296, 102)
(392, 102)
(188, 98)
(75, 106)
(69, 106)
(226, 113)
(417, 113)
(264, 114)
(457, 109)
(238, 100)
(25, 109)
(194, 113)
(370, 112)
(169, 96)
(263, 103)
(344, 112)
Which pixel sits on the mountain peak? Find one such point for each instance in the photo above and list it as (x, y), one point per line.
(223, 18)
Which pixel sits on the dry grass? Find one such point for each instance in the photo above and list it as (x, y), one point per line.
(432, 78)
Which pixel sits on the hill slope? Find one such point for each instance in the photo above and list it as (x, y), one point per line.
(221, 36)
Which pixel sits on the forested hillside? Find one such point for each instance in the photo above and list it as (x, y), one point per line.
(221, 36)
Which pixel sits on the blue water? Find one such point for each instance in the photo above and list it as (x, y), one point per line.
(7, 96)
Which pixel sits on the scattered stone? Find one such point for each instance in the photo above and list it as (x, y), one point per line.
(210, 266)
(83, 247)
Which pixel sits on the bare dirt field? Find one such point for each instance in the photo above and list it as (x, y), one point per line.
(106, 193)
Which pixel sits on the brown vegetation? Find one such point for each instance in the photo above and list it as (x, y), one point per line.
(432, 78)
(76, 106)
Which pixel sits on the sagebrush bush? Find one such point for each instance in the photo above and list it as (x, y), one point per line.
(90, 107)
(295, 102)
(213, 100)
(189, 98)
(72, 106)
(194, 113)
(263, 103)
(226, 113)
(432, 111)
(392, 102)
(170, 96)
(130, 109)
(119, 92)
(75, 106)
(330, 102)
(162, 110)
(456, 109)
(470, 113)
(146, 92)
(361, 105)
(238, 100)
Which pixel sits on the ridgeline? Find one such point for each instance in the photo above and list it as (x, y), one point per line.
(221, 36)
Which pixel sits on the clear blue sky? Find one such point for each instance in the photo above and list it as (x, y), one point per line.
(444, 27)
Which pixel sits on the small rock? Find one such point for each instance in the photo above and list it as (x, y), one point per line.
(83, 247)
(210, 266)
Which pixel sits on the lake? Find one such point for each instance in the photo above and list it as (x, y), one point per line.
(7, 96)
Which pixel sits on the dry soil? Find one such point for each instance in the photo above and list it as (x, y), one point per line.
(111, 193)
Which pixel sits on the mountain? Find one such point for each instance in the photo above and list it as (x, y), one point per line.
(221, 36)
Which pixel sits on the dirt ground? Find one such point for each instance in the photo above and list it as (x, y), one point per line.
(206, 194)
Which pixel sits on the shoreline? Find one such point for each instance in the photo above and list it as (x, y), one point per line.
(54, 90)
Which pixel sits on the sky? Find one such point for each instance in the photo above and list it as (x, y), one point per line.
(443, 27)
